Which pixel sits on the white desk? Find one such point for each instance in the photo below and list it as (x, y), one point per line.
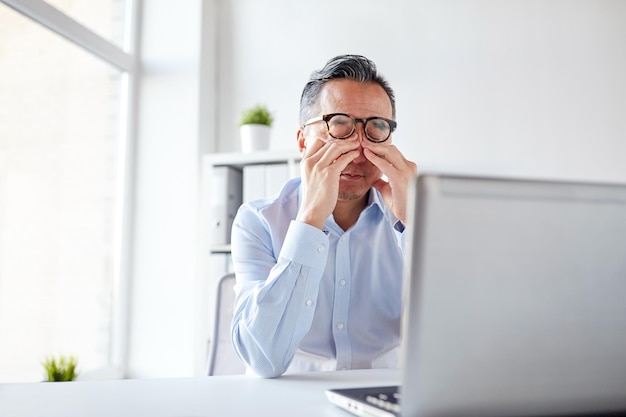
(299, 395)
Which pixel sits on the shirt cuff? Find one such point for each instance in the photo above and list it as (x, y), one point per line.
(306, 245)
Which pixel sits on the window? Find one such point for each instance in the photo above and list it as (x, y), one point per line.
(62, 143)
(104, 17)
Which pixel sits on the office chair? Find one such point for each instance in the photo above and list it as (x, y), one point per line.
(222, 357)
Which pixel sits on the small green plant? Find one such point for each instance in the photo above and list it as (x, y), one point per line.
(61, 369)
(258, 115)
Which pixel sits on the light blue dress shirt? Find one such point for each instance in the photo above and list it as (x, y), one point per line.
(308, 299)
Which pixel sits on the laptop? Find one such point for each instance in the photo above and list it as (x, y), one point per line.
(516, 302)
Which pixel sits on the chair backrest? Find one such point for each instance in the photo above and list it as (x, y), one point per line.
(222, 357)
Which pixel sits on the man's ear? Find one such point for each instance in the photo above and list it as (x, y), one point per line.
(301, 141)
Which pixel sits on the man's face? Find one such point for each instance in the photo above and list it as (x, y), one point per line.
(359, 101)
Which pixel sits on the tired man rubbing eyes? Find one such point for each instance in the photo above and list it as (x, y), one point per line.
(319, 267)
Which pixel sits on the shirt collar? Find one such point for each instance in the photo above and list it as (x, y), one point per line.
(374, 199)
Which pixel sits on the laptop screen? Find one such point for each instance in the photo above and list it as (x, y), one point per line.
(516, 298)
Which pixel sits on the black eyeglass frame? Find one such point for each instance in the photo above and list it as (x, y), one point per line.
(326, 118)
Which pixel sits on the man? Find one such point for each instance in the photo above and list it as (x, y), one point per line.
(319, 268)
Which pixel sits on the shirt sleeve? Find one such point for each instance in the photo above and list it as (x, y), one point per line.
(276, 294)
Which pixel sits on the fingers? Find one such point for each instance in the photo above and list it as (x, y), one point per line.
(390, 161)
(321, 169)
(399, 172)
(335, 154)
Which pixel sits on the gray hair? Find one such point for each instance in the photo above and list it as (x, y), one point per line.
(349, 67)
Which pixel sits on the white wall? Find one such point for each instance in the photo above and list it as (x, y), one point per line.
(514, 87)
(162, 328)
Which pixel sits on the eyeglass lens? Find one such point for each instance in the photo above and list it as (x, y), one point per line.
(341, 126)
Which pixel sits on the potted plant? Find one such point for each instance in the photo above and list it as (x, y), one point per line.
(255, 127)
(61, 369)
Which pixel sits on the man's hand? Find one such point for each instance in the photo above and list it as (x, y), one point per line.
(399, 172)
(320, 170)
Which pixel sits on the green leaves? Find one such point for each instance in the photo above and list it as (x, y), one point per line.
(61, 369)
(259, 115)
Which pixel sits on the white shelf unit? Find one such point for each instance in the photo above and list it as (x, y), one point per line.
(239, 161)
(215, 258)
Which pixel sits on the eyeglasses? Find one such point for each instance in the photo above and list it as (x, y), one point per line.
(342, 126)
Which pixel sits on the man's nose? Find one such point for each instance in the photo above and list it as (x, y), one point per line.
(359, 130)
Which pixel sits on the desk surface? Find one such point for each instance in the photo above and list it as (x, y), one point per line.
(299, 395)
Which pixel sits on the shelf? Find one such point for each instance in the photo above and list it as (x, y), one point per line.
(239, 160)
(220, 248)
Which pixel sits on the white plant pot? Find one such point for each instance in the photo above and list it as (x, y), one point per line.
(255, 138)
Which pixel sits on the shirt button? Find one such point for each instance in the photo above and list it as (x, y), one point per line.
(342, 282)
(320, 249)
(343, 238)
(340, 326)
(309, 303)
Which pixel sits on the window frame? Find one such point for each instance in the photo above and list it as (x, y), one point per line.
(126, 59)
